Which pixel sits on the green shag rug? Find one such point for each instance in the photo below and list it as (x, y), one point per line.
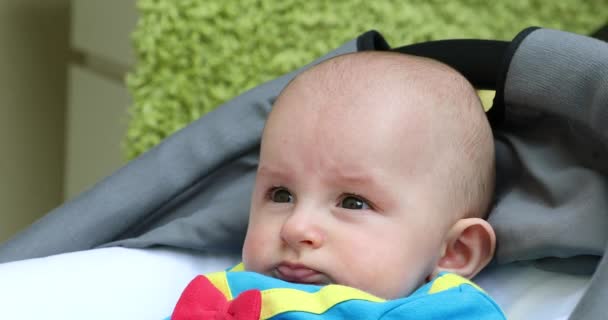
(194, 55)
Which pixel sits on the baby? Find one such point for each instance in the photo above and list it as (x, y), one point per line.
(376, 173)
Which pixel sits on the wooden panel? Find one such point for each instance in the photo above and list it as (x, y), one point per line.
(96, 125)
(34, 49)
(103, 28)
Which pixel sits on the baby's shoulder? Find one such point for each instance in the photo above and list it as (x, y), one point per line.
(451, 296)
(447, 281)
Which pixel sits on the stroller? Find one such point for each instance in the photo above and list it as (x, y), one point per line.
(549, 122)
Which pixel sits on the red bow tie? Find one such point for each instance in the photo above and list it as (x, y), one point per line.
(201, 300)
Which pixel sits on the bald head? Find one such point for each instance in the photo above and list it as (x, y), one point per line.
(427, 108)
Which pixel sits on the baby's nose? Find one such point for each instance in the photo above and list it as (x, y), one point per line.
(299, 231)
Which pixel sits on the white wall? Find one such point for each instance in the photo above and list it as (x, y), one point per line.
(34, 52)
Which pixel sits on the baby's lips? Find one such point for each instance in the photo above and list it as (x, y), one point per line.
(298, 273)
(295, 271)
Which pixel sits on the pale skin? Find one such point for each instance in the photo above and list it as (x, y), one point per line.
(350, 186)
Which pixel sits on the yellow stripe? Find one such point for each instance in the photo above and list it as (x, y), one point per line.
(220, 281)
(448, 281)
(279, 300)
(238, 267)
(487, 98)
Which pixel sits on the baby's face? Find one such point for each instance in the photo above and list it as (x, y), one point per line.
(342, 196)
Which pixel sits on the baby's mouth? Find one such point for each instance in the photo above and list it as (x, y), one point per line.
(298, 273)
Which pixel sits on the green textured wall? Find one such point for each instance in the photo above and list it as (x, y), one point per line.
(193, 55)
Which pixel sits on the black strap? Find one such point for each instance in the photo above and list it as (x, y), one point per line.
(496, 114)
(484, 63)
(601, 33)
(372, 40)
(478, 60)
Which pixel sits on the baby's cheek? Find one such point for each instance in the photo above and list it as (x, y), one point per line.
(253, 253)
(389, 278)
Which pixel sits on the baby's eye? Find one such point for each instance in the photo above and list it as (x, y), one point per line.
(354, 203)
(280, 195)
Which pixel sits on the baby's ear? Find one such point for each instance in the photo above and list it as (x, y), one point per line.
(468, 248)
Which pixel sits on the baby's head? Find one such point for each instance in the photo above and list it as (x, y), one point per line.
(376, 171)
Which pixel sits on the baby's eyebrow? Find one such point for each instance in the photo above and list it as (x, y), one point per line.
(355, 179)
(339, 177)
(268, 171)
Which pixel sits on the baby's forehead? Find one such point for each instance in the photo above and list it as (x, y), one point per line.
(381, 66)
(384, 76)
(409, 93)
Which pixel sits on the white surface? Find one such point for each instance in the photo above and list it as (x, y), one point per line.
(113, 283)
(119, 283)
(526, 292)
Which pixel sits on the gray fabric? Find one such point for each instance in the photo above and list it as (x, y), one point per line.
(556, 199)
(191, 191)
(556, 189)
(553, 196)
(563, 74)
